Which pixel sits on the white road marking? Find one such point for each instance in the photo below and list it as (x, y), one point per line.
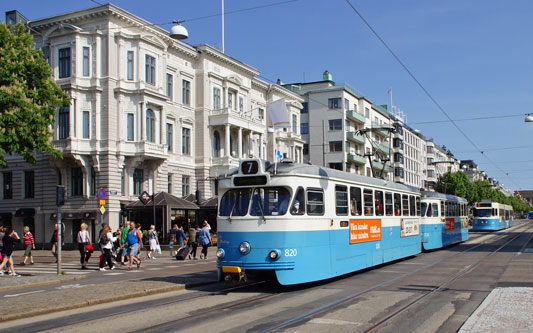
(54, 272)
(410, 263)
(154, 269)
(116, 273)
(21, 294)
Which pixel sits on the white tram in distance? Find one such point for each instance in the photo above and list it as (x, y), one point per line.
(303, 223)
(444, 220)
(490, 215)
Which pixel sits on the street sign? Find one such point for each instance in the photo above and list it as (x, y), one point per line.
(113, 192)
(102, 194)
(145, 197)
(102, 210)
(102, 202)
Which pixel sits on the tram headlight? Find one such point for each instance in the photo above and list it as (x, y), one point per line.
(244, 248)
(274, 254)
(220, 253)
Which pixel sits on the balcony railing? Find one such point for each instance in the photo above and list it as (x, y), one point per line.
(382, 148)
(355, 116)
(377, 165)
(380, 131)
(356, 158)
(355, 137)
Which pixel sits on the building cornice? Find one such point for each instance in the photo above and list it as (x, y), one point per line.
(211, 52)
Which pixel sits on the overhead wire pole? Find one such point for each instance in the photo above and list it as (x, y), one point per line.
(223, 26)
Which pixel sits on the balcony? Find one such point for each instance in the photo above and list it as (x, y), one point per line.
(356, 158)
(355, 116)
(351, 136)
(151, 149)
(377, 165)
(380, 131)
(75, 146)
(382, 148)
(233, 117)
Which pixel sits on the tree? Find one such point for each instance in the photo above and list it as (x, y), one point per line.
(29, 97)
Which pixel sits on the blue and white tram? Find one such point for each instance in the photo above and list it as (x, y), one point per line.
(444, 220)
(489, 215)
(305, 223)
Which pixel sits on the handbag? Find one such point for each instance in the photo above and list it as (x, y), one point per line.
(158, 249)
(89, 248)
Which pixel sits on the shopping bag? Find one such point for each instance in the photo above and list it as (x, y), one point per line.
(158, 249)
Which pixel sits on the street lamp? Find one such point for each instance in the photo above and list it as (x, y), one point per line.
(178, 31)
(529, 118)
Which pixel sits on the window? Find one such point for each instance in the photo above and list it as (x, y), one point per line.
(186, 141)
(138, 179)
(8, 185)
(294, 124)
(270, 201)
(86, 127)
(170, 141)
(123, 182)
(355, 201)
(346, 104)
(185, 183)
(230, 100)
(412, 206)
(298, 205)
(304, 128)
(341, 200)
(76, 176)
(216, 98)
(131, 135)
(261, 113)
(405, 205)
(86, 61)
(29, 184)
(216, 144)
(64, 122)
(130, 65)
(336, 166)
(378, 196)
(235, 202)
(398, 157)
(169, 86)
(150, 70)
(64, 62)
(306, 149)
(398, 172)
(93, 182)
(169, 183)
(335, 124)
(397, 204)
(369, 202)
(186, 92)
(150, 125)
(335, 146)
(241, 104)
(367, 112)
(315, 202)
(305, 108)
(388, 204)
(335, 103)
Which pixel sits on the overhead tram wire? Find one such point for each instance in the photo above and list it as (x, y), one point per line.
(422, 86)
(467, 119)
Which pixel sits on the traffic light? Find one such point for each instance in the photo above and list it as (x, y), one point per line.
(60, 195)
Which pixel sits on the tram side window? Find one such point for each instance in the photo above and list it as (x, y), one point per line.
(388, 204)
(315, 202)
(355, 201)
(235, 202)
(397, 204)
(418, 207)
(435, 209)
(405, 205)
(442, 213)
(369, 202)
(378, 196)
(341, 200)
(412, 206)
(426, 208)
(298, 205)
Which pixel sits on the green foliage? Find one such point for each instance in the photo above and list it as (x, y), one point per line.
(457, 183)
(29, 97)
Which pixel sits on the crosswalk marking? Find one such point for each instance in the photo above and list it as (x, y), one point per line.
(115, 273)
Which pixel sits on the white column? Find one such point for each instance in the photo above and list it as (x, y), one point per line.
(142, 122)
(239, 144)
(163, 126)
(261, 145)
(227, 148)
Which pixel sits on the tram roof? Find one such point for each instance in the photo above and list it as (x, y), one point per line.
(436, 195)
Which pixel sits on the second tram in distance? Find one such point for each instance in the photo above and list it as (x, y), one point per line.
(489, 215)
(301, 223)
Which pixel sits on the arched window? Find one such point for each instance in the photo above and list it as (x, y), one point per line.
(216, 144)
(150, 125)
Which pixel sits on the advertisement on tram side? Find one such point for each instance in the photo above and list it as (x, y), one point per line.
(409, 227)
(450, 224)
(365, 230)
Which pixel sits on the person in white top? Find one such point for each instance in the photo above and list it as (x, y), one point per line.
(84, 241)
(153, 241)
(106, 244)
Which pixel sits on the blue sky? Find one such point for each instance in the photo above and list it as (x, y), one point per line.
(474, 57)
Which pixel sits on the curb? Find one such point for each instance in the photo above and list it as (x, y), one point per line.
(43, 283)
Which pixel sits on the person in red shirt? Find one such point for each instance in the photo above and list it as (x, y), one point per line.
(53, 241)
(29, 243)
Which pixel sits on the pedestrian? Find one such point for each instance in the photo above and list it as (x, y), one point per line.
(1, 236)
(10, 237)
(133, 239)
(192, 241)
(84, 245)
(180, 237)
(106, 244)
(141, 243)
(153, 241)
(204, 238)
(30, 245)
(53, 241)
(124, 242)
(172, 240)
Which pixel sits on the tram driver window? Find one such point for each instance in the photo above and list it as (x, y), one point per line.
(235, 202)
(378, 196)
(315, 202)
(388, 204)
(270, 201)
(442, 209)
(397, 204)
(405, 205)
(298, 205)
(426, 208)
(435, 208)
(369, 202)
(355, 201)
(341, 200)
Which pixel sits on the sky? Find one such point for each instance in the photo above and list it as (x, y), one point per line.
(474, 57)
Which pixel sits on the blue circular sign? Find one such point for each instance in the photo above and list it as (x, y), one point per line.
(102, 194)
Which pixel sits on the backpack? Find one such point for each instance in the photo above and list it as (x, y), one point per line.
(103, 240)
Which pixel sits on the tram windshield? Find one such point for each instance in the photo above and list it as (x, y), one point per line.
(235, 202)
(486, 212)
(265, 201)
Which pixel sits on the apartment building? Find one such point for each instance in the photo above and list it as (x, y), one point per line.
(409, 154)
(147, 113)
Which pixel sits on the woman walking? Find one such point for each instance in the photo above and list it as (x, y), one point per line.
(30, 245)
(192, 241)
(153, 241)
(10, 237)
(106, 244)
(133, 240)
(83, 241)
(204, 238)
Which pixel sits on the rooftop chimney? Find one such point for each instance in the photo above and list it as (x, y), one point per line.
(327, 76)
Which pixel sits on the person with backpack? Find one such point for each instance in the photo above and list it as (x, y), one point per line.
(106, 244)
(29, 243)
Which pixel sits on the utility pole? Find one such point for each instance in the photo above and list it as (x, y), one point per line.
(60, 201)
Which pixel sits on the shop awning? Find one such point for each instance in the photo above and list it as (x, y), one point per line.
(164, 199)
